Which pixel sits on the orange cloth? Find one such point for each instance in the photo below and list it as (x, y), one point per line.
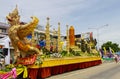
(23, 47)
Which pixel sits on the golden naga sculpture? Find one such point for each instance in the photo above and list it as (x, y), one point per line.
(18, 32)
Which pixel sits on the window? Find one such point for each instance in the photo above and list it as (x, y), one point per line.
(4, 30)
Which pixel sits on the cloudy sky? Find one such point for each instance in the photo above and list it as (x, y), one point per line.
(82, 14)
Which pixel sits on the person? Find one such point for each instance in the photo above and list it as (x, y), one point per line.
(42, 43)
(116, 58)
(101, 53)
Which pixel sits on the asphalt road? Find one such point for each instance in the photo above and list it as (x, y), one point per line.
(109, 70)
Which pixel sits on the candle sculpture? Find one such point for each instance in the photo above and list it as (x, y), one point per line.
(71, 36)
(59, 47)
(47, 35)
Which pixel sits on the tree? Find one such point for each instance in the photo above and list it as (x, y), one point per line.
(113, 46)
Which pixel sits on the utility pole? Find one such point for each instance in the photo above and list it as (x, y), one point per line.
(98, 29)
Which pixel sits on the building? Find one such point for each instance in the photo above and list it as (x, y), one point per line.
(3, 33)
(5, 41)
(3, 29)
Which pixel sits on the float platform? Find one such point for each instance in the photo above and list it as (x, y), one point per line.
(60, 65)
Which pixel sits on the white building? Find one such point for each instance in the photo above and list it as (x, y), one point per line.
(4, 40)
(5, 44)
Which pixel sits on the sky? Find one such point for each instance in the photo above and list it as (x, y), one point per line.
(84, 15)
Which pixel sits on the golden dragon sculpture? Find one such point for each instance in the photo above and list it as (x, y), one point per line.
(18, 32)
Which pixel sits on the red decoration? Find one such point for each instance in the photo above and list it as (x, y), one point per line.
(27, 60)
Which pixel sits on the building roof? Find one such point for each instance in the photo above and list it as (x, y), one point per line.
(3, 25)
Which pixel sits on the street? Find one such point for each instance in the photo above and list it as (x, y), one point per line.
(108, 70)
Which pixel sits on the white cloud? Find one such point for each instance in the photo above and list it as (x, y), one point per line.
(80, 13)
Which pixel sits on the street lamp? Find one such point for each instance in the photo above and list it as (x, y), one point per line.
(97, 29)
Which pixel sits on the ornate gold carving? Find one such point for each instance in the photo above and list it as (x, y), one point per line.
(18, 32)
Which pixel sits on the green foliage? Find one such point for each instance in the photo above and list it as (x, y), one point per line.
(95, 42)
(8, 68)
(88, 49)
(45, 51)
(114, 46)
(83, 48)
(38, 60)
(74, 53)
(64, 53)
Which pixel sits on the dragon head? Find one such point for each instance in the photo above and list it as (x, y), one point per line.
(13, 18)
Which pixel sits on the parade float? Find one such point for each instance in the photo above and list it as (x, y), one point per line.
(54, 57)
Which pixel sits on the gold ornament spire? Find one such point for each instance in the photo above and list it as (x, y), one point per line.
(14, 17)
(67, 40)
(47, 35)
(14, 12)
(59, 40)
(72, 36)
